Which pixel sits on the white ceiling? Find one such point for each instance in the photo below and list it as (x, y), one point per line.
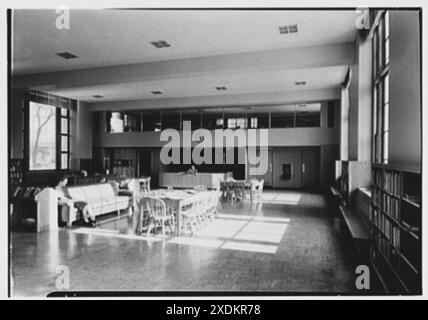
(104, 38)
(111, 37)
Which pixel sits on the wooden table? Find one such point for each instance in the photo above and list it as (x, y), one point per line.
(184, 180)
(177, 199)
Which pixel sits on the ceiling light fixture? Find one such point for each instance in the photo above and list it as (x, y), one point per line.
(160, 44)
(156, 92)
(66, 55)
(97, 96)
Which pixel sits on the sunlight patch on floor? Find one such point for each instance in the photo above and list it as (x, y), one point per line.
(282, 198)
(115, 234)
(252, 247)
(210, 243)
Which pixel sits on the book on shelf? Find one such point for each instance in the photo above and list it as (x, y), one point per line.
(28, 192)
(17, 192)
(396, 221)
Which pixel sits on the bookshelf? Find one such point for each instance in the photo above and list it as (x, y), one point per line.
(16, 175)
(395, 216)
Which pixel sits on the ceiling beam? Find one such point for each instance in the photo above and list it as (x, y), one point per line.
(278, 59)
(268, 98)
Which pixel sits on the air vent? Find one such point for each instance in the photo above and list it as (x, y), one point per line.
(302, 105)
(300, 83)
(283, 29)
(221, 88)
(66, 55)
(97, 96)
(160, 44)
(292, 28)
(156, 92)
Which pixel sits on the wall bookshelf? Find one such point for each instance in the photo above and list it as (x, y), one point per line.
(396, 219)
(16, 175)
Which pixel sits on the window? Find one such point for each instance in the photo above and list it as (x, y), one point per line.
(308, 115)
(65, 139)
(42, 131)
(49, 137)
(122, 122)
(380, 67)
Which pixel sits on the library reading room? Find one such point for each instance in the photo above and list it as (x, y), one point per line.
(275, 152)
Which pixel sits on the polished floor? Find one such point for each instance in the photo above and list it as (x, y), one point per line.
(288, 243)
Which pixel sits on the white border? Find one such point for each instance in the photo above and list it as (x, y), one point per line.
(183, 4)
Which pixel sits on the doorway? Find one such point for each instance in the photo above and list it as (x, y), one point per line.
(296, 168)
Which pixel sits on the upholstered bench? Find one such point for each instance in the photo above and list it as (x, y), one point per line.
(103, 198)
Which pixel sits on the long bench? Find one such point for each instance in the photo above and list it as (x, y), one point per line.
(355, 218)
(358, 230)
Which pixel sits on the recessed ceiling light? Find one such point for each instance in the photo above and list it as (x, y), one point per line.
(97, 96)
(156, 92)
(221, 88)
(160, 44)
(292, 28)
(66, 55)
(300, 83)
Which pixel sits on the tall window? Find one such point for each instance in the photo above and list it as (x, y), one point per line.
(48, 146)
(65, 139)
(381, 89)
(42, 137)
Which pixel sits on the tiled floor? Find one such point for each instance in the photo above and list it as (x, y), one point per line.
(289, 242)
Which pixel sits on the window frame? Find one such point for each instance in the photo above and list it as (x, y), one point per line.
(58, 134)
(380, 90)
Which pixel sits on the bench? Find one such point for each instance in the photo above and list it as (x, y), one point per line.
(357, 228)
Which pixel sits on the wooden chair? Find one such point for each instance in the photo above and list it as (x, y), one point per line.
(157, 214)
(189, 219)
(214, 199)
(145, 184)
(257, 189)
(239, 194)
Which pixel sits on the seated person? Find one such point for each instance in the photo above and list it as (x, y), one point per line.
(192, 170)
(83, 207)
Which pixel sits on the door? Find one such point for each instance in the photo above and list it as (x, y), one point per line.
(310, 168)
(287, 168)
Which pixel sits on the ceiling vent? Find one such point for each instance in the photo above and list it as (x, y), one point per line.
(300, 83)
(292, 28)
(160, 44)
(220, 88)
(302, 105)
(97, 96)
(156, 92)
(66, 55)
